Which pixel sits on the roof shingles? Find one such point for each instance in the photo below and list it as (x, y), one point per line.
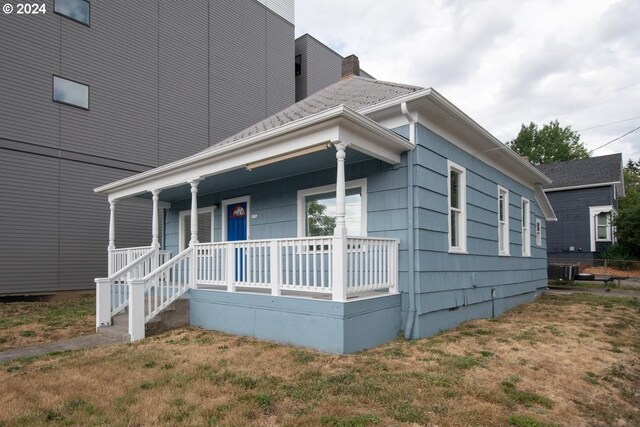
(354, 92)
(584, 172)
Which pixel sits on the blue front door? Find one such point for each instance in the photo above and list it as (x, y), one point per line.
(237, 230)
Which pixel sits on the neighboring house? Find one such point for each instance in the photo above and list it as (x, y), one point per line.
(584, 195)
(91, 92)
(363, 210)
(316, 66)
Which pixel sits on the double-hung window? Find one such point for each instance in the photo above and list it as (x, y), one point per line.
(603, 227)
(317, 210)
(457, 208)
(538, 232)
(205, 227)
(503, 221)
(526, 229)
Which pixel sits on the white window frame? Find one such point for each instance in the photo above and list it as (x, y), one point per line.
(525, 215)
(594, 211)
(228, 202)
(538, 232)
(356, 183)
(503, 227)
(181, 224)
(462, 211)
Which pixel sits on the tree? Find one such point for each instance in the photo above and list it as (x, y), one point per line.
(553, 143)
(320, 224)
(628, 220)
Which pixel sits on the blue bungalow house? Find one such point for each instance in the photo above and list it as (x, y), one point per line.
(367, 209)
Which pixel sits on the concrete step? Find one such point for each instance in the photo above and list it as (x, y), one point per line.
(175, 315)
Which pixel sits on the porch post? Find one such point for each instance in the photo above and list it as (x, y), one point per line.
(155, 240)
(194, 212)
(193, 264)
(112, 236)
(340, 231)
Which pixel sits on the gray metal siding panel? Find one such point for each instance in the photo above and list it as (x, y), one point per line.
(280, 64)
(238, 67)
(324, 66)
(30, 54)
(118, 57)
(28, 222)
(184, 70)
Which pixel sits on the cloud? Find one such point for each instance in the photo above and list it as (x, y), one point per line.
(502, 62)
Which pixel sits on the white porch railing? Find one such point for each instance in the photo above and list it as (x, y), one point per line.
(326, 265)
(121, 258)
(113, 291)
(302, 264)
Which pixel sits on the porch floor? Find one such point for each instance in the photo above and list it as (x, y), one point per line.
(297, 294)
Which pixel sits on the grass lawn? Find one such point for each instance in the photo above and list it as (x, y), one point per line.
(35, 322)
(563, 360)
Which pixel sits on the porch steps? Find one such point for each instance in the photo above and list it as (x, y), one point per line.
(176, 315)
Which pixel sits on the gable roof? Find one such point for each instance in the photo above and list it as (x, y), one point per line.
(354, 92)
(595, 171)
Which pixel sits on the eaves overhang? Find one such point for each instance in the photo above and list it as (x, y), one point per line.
(337, 124)
(483, 145)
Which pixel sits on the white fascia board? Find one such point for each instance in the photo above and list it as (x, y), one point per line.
(293, 136)
(518, 168)
(545, 205)
(579, 187)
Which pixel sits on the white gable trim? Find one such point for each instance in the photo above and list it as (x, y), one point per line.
(578, 187)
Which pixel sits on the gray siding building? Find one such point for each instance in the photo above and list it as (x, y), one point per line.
(584, 195)
(94, 92)
(317, 66)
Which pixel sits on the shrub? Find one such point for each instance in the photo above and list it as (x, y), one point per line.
(617, 257)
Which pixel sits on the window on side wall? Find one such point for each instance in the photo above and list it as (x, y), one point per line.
(603, 227)
(456, 183)
(205, 226)
(503, 221)
(526, 228)
(70, 93)
(77, 10)
(538, 232)
(317, 210)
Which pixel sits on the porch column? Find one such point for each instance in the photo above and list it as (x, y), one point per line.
(341, 227)
(155, 240)
(112, 236)
(112, 225)
(194, 212)
(339, 281)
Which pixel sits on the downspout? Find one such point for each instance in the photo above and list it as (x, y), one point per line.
(411, 314)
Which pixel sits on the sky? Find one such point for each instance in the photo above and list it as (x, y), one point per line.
(503, 62)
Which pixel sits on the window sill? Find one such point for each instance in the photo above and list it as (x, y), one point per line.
(504, 254)
(458, 251)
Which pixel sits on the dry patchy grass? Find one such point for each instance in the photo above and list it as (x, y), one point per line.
(571, 360)
(35, 322)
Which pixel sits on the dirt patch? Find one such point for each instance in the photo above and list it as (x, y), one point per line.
(571, 360)
(24, 323)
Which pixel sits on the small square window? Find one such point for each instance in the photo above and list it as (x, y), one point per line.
(78, 10)
(70, 92)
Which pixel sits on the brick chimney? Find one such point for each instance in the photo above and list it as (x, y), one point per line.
(350, 66)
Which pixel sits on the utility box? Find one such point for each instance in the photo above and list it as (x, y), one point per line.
(564, 272)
